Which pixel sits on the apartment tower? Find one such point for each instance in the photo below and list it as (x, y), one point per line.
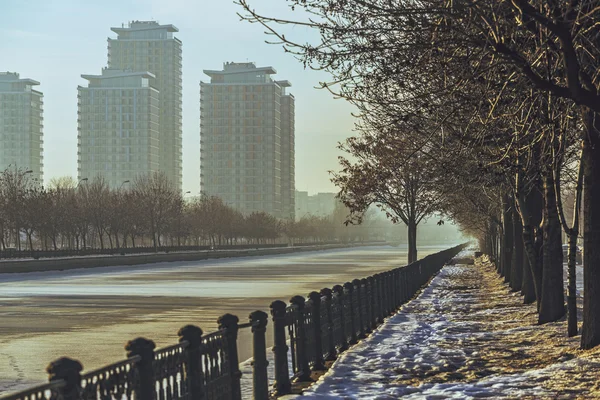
(149, 46)
(118, 126)
(247, 139)
(21, 125)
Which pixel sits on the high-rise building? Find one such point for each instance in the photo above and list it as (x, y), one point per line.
(21, 125)
(118, 128)
(149, 46)
(288, 172)
(247, 139)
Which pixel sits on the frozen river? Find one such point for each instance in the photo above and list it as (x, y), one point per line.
(90, 314)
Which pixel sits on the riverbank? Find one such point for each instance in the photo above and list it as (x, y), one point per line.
(67, 263)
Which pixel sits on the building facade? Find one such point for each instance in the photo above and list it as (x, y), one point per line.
(21, 125)
(288, 151)
(149, 46)
(318, 205)
(247, 139)
(118, 126)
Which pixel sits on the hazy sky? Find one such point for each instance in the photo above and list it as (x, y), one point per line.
(55, 41)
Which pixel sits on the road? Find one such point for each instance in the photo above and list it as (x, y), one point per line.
(90, 314)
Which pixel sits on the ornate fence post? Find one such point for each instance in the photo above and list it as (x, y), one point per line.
(360, 306)
(68, 370)
(303, 374)
(367, 300)
(372, 302)
(386, 290)
(404, 285)
(392, 292)
(379, 280)
(317, 332)
(260, 380)
(193, 335)
(411, 280)
(349, 293)
(282, 383)
(397, 289)
(339, 291)
(331, 352)
(228, 324)
(145, 389)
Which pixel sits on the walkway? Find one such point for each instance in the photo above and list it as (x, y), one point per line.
(466, 336)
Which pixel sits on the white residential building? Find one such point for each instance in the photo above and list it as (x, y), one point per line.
(118, 126)
(149, 46)
(21, 125)
(247, 139)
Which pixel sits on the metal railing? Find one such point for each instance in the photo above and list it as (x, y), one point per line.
(318, 329)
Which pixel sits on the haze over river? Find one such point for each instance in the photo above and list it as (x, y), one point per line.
(90, 314)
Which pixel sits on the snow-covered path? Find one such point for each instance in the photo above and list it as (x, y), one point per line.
(465, 336)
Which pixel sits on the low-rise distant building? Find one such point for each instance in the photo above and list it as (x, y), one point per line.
(319, 205)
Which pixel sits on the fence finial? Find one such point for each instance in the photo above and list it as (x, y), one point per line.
(228, 323)
(145, 389)
(68, 370)
(260, 380)
(282, 383)
(193, 335)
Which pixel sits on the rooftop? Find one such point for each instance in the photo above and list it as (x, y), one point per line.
(13, 77)
(230, 68)
(118, 73)
(143, 26)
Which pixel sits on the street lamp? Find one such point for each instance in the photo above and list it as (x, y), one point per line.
(81, 180)
(28, 172)
(124, 182)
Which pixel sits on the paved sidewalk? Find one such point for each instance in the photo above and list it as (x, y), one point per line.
(466, 336)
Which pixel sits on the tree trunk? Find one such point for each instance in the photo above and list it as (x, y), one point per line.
(552, 306)
(412, 242)
(590, 334)
(528, 287)
(538, 269)
(572, 286)
(516, 273)
(530, 208)
(101, 239)
(30, 240)
(507, 237)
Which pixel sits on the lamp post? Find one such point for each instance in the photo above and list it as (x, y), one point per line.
(124, 182)
(81, 180)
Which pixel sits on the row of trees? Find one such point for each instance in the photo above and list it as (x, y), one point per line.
(150, 212)
(487, 111)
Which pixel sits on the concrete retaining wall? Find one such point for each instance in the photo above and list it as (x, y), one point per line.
(59, 264)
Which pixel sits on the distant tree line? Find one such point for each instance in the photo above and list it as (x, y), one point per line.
(148, 212)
